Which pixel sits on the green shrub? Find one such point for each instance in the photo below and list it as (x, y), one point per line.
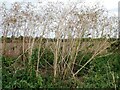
(100, 73)
(47, 57)
(19, 78)
(81, 59)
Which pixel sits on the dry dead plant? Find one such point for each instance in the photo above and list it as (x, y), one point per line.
(69, 25)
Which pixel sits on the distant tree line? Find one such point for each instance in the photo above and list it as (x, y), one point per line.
(20, 38)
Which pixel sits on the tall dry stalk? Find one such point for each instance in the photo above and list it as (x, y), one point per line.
(69, 25)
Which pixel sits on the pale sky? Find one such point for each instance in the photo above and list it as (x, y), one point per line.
(110, 5)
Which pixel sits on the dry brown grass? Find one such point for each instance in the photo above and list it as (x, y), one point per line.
(14, 49)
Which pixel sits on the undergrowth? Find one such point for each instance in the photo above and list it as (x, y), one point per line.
(102, 72)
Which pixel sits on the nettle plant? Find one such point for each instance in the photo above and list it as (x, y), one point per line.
(66, 24)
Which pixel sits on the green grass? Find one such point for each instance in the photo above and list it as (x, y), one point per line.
(102, 72)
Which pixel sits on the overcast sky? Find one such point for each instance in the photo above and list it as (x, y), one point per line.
(110, 5)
